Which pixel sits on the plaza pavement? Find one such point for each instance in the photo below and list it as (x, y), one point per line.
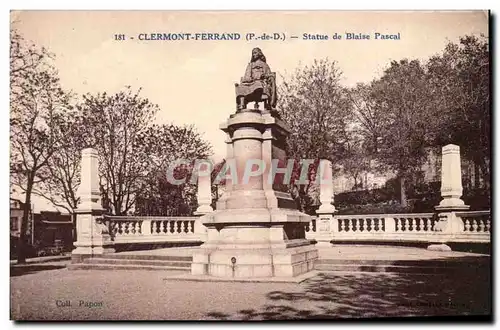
(40, 293)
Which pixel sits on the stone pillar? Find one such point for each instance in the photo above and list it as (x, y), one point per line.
(204, 193)
(92, 235)
(325, 224)
(325, 179)
(451, 180)
(251, 234)
(451, 191)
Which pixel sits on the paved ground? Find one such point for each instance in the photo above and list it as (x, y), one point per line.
(42, 294)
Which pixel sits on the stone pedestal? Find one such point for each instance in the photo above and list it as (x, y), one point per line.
(325, 224)
(451, 191)
(92, 235)
(256, 230)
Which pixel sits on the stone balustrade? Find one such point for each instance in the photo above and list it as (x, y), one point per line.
(154, 229)
(415, 227)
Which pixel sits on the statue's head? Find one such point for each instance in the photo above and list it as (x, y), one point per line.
(258, 54)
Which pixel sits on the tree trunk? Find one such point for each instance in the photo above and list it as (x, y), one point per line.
(477, 179)
(73, 226)
(403, 200)
(21, 244)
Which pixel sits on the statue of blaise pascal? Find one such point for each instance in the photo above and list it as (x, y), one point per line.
(258, 84)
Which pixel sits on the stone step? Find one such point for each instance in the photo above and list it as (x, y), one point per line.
(145, 262)
(122, 256)
(387, 268)
(476, 262)
(88, 266)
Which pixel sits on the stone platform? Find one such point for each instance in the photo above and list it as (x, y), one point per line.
(175, 263)
(339, 252)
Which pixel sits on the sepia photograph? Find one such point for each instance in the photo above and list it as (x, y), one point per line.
(256, 165)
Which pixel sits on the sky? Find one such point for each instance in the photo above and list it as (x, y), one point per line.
(193, 81)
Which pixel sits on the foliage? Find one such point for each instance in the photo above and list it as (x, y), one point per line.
(460, 83)
(316, 108)
(164, 144)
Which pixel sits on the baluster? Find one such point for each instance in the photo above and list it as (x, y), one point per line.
(467, 224)
(182, 227)
(361, 225)
(190, 227)
(162, 228)
(138, 227)
(376, 225)
(481, 224)
(154, 227)
(396, 221)
(348, 225)
(411, 224)
(369, 226)
(474, 225)
(403, 224)
(488, 223)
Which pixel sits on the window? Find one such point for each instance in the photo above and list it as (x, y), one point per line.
(14, 223)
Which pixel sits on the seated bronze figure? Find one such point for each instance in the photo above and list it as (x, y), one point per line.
(258, 84)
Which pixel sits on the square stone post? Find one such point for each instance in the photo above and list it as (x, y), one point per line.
(451, 191)
(204, 196)
(451, 180)
(326, 224)
(204, 193)
(92, 235)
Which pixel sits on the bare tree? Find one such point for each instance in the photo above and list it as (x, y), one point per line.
(115, 125)
(37, 108)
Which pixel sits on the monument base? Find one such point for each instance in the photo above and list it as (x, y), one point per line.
(255, 243)
(255, 262)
